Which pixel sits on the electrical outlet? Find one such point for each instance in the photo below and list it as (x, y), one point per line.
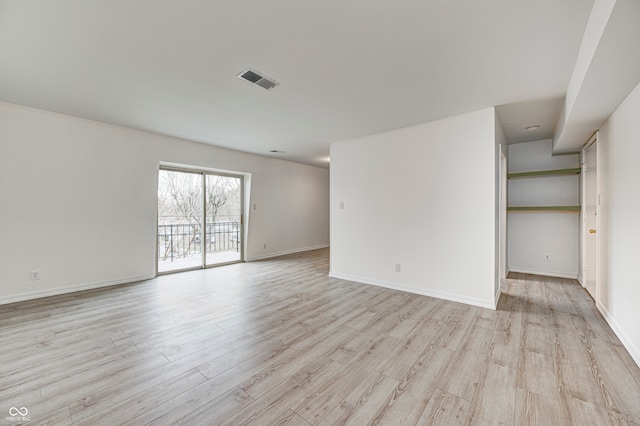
(254, 206)
(341, 205)
(264, 246)
(547, 257)
(34, 274)
(397, 267)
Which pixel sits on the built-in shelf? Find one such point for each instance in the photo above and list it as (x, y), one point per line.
(575, 171)
(544, 208)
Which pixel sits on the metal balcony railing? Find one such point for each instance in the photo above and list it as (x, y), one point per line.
(180, 240)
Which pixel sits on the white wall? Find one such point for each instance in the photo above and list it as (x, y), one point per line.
(619, 174)
(423, 197)
(79, 201)
(533, 234)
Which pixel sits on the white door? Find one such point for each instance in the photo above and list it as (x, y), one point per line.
(590, 218)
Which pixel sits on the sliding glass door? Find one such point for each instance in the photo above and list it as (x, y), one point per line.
(199, 219)
(179, 220)
(224, 219)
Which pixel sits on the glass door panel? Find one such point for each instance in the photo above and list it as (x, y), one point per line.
(180, 205)
(223, 224)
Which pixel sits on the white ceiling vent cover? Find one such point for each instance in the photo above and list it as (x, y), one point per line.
(255, 77)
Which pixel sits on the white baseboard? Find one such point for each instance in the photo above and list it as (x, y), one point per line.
(64, 290)
(626, 341)
(580, 280)
(285, 252)
(544, 273)
(91, 286)
(414, 290)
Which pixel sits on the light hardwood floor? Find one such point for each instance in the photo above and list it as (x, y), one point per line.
(278, 342)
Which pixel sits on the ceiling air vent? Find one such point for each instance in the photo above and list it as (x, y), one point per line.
(255, 77)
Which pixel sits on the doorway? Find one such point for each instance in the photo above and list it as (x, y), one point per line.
(591, 204)
(199, 219)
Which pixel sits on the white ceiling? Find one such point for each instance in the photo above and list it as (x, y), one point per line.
(346, 68)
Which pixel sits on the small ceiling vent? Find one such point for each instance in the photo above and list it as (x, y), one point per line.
(255, 77)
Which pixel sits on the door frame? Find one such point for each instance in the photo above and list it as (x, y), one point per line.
(592, 143)
(503, 262)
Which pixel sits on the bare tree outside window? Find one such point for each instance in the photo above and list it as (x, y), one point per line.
(179, 197)
(222, 197)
